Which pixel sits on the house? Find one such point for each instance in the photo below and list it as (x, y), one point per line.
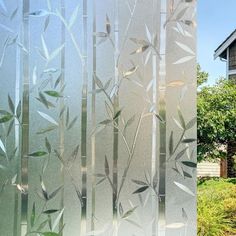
(227, 52)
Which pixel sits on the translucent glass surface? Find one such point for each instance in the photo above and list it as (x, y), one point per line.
(97, 118)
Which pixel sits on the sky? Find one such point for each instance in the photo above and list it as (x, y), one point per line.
(216, 21)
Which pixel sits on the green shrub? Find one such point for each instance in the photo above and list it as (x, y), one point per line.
(216, 207)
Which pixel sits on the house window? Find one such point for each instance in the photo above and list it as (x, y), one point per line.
(232, 57)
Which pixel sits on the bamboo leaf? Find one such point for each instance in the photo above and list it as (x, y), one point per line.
(46, 23)
(148, 34)
(18, 110)
(159, 118)
(106, 166)
(140, 190)
(59, 156)
(72, 123)
(109, 110)
(180, 154)
(171, 144)
(107, 84)
(6, 117)
(155, 180)
(139, 41)
(177, 123)
(33, 215)
(54, 193)
(186, 174)
(11, 104)
(190, 164)
(118, 113)
(184, 188)
(175, 225)
(140, 49)
(184, 215)
(189, 140)
(53, 93)
(98, 82)
(50, 234)
(101, 180)
(139, 182)
(67, 116)
(39, 13)
(45, 49)
(73, 17)
(130, 72)
(2, 146)
(101, 34)
(56, 52)
(79, 195)
(75, 153)
(176, 83)
(129, 212)
(48, 145)
(34, 75)
(181, 118)
(44, 190)
(38, 154)
(183, 60)
(43, 100)
(179, 169)
(13, 180)
(105, 122)
(191, 123)
(121, 210)
(108, 25)
(3, 6)
(130, 121)
(181, 13)
(46, 130)
(185, 48)
(48, 118)
(100, 175)
(42, 225)
(97, 129)
(52, 211)
(58, 81)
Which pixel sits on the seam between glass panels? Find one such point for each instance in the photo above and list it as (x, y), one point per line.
(62, 119)
(25, 121)
(83, 223)
(93, 137)
(162, 112)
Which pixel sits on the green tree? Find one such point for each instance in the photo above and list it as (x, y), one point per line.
(202, 76)
(216, 118)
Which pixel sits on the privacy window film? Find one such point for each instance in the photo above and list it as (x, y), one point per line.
(97, 118)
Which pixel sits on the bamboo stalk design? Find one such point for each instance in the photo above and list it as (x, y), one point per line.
(16, 230)
(25, 121)
(154, 120)
(83, 222)
(162, 112)
(93, 137)
(62, 118)
(116, 121)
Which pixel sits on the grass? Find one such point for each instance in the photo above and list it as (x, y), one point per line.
(216, 207)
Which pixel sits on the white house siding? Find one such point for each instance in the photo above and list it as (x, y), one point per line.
(208, 169)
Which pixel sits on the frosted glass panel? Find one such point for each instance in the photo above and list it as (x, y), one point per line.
(97, 118)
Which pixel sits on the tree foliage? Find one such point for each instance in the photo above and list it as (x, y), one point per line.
(202, 76)
(216, 116)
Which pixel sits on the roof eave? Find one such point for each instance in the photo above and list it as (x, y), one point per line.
(223, 47)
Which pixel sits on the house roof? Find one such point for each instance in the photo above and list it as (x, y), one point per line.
(221, 50)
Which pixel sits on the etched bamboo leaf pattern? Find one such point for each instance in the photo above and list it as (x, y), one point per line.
(97, 126)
